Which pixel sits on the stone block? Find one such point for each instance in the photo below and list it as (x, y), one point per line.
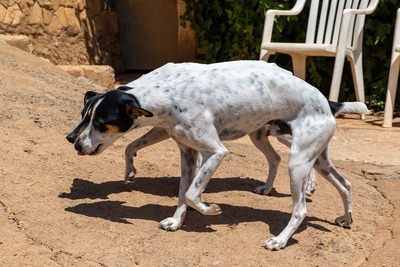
(55, 26)
(36, 16)
(13, 15)
(3, 12)
(47, 16)
(56, 4)
(100, 74)
(5, 2)
(60, 14)
(45, 3)
(72, 19)
(13, 2)
(20, 41)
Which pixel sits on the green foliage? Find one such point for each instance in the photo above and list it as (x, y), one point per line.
(225, 30)
(231, 30)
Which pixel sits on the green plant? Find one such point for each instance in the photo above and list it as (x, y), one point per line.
(224, 30)
(231, 29)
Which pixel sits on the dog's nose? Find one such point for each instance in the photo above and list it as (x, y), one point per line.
(78, 146)
(71, 138)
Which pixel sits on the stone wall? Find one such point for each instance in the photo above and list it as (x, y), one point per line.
(66, 32)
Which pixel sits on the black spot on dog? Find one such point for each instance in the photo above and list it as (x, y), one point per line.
(335, 106)
(324, 172)
(272, 83)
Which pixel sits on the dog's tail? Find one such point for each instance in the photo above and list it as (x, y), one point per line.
(348, 107)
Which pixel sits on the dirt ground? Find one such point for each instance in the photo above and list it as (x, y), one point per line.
(59, 209)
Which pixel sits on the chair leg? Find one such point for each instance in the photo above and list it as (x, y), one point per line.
(264, 56)
(336, 78)
(358, 78)
(299, 65)
(391, 92)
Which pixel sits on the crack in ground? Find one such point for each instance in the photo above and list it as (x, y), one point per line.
(12, 218)
(374, 177)
(370, 178)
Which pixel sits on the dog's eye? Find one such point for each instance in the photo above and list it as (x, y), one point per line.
(99, 126)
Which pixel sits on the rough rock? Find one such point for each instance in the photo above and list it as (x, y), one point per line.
(102, 75)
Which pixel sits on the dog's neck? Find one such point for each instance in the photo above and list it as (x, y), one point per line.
(143, 121)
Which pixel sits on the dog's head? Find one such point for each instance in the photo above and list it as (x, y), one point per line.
(105, 118)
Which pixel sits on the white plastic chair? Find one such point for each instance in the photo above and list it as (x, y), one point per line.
(335, 29)
(393, 75)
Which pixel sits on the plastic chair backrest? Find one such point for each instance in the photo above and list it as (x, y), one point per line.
(325, 20)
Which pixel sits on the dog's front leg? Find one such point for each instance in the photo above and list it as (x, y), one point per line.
(211, 161)
(152, 137)
(188, 169)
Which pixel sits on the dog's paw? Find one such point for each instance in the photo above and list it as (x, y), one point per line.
(344, 221)
(274, 244)
(310, 190)
(263, 190)
(170, 224)
(211, 209)
(311, 185)
(129, 178)
(130, 175)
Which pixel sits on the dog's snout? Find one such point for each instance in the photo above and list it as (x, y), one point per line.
(78, 146)
(71, 138)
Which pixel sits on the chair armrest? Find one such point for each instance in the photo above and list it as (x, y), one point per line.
(363, 11)
(270, 16)
(346, 22)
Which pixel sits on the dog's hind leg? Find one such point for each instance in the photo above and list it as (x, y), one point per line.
(286, 139)
(260, 140)
(299, 169)
(325, 167)
(155, 135)
(189, 158)
(305, 149)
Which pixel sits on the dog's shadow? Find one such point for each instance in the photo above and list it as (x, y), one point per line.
(117, 211)
(161, 186)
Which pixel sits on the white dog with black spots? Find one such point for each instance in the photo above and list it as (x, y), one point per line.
(199, 106)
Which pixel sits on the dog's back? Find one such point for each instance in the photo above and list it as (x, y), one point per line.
(237, 97)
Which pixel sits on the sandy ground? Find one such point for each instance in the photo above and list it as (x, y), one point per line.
(59, 209)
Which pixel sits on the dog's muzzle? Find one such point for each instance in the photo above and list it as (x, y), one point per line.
(72, 137)
(83, 152)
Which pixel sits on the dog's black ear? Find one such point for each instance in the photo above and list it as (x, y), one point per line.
(135, 112)
(132, 106)
(88, 95)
